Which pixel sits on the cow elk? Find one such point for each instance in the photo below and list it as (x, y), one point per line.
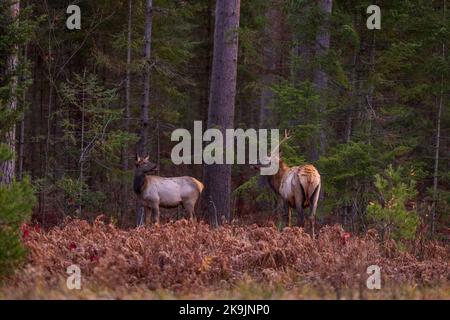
(299, 187)
(155, 192)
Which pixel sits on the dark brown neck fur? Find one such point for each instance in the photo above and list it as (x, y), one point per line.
(275, 180)
(138, 181)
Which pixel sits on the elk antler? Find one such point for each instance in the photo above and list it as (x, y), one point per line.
(285, 138)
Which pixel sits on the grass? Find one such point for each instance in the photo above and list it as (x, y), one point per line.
(190, 260)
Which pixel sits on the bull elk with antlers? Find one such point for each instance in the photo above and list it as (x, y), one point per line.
(155, 192)
(299, 187)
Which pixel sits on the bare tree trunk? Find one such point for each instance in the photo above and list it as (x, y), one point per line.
(8, 167)
(217, 177)
(81, 161)
(320, 76)
(436, 164)
(302, 50)
(272, 53)
(369, 98)
(21, 147)
(438, 141)
(354, 96)
(22, 130)
(125, 157)
(207, 60)
(50, 95)
(142, 146)
(127, 87)
(34, 116)
(143, 141)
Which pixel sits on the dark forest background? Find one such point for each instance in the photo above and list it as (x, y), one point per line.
(369, 108)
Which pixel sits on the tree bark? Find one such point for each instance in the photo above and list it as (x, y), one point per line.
(355, 90)
(127, 87)
(81, 160)
(370, 114)
(303, 50)
(8, 167)
(436, 165)
(126, 125)
(21, 147)
(273, 30)
(142, 145)
(320, 76)
(438, 141)
(143, 141)
(22, 130)
(217, 177)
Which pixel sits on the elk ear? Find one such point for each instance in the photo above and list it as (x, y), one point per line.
(146, 158)
(138, 158)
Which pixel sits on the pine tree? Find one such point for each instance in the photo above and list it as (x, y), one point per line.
(221, 103)
(16, 197)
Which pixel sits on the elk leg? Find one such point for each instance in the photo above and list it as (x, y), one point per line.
(301, 216)
(146, 219)
(289, 216)
(155, 214)
(191, 213)
(299, 199)
(185, 211)
(287, 213)
(189, 207)
(315, 199)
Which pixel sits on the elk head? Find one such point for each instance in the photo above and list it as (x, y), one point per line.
(143, 165)
(275, 155)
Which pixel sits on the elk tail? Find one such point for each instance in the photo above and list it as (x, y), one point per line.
(314, 193)
(305, 197)
(200, 187)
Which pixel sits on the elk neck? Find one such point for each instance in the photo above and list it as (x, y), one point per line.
(275, 180)
(138, 181)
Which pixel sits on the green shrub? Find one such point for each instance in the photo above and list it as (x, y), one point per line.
(16, 203)
(389, 212)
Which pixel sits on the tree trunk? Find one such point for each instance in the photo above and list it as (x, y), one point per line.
(369, 98)
(436, 164)
(82, 155)
(320, 76)
(354, 93)
(21, 147)
(22, 130)
(302, 50)
(143, 141)
(142, 145)
(438, 141)
(127, 87)
(217, 177)
(8, 167)
(208, 62)
(273, 30)
(126, 124)
(51, 81)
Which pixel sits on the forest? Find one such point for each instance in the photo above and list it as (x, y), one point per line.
(88, 89)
